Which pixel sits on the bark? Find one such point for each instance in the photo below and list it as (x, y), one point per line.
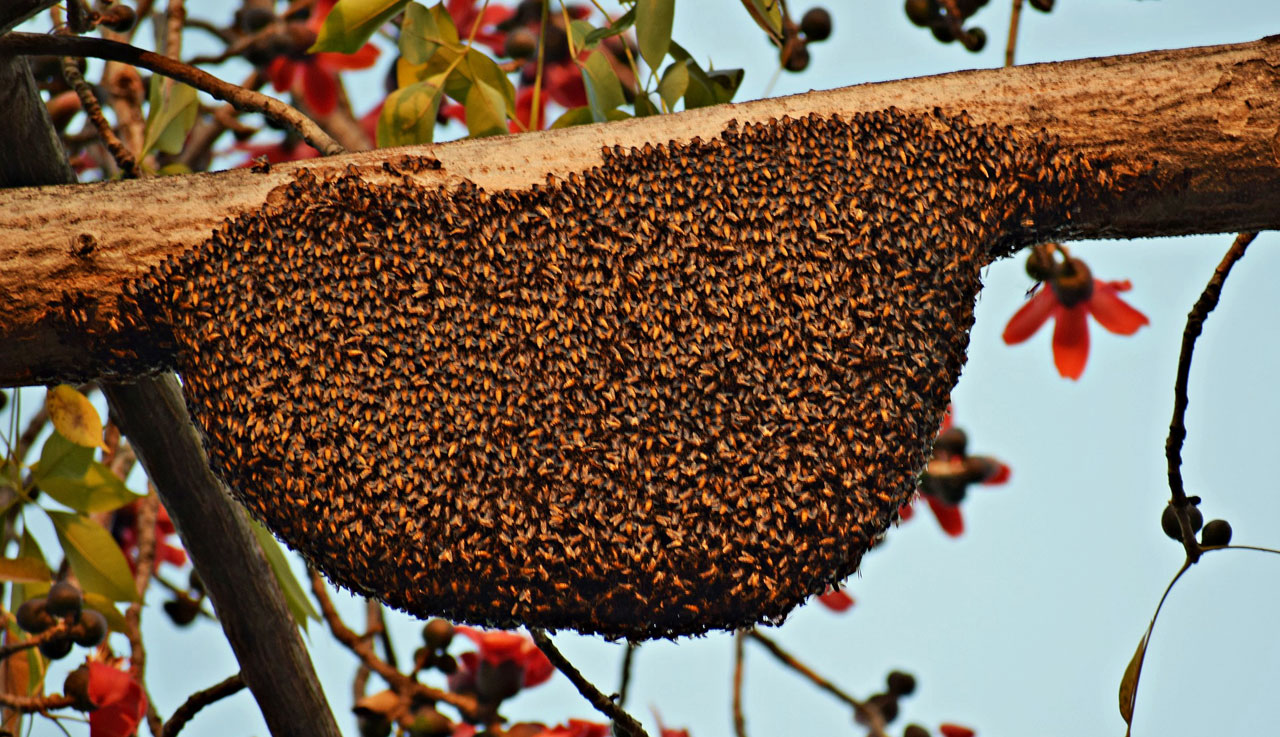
(1200, 126)
(261, 630)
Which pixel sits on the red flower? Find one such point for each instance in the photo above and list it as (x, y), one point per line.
(946, 479)
(124, 527)
(576, 728)
(836, 599)
(506, 662)
(664, 730)
(464, 16)
(318, 73)
(120, 701)
(955, 730)
(1072, 294)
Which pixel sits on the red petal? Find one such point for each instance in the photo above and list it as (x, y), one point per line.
(120, 700)
(1114, 313)
(1071, 342)
(537, 668)
(949, 518)
(955, 730)
(1031, 316)
(366, 57)
(837, 600)
(282, 71)
(320, 88)
(905, 512)
(1001, 475)
(497, 646)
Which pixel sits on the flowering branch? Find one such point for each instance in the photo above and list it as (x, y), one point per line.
(35, 44)
(625, 725)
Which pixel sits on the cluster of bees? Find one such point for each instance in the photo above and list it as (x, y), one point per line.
(683, 390)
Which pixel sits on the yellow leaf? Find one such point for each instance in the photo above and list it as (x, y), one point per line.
(74, 416)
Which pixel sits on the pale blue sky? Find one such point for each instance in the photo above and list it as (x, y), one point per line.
(1024, 625)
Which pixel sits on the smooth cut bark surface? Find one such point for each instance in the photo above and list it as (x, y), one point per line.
(1201, 126)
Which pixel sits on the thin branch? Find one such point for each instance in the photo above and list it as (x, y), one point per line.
(199, 700)
(37, 44)
(144, 566)
(1195, 323)
(627, 659)
(175, 16)
(739, 658)
(871, 716)
(624, 724)
(363, 649)
(35, 704)
(89, 102)
(1014, 17)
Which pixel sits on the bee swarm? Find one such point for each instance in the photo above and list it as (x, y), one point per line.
(681, 391)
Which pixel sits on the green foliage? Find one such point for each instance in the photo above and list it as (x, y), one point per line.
(300, 605)
(94, 556)
(604, 91)
(68, 474)
(653, 29)
(172, 108)
(351, 22)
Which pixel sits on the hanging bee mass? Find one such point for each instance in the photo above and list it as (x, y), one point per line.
(680, 391)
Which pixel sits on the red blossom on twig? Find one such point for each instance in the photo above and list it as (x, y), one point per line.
(506, 663)
(1069, 295)
(120, 701)
(124, 527)
(576, 728)
(947, 477)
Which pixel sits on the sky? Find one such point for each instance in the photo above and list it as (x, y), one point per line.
(1023, 625)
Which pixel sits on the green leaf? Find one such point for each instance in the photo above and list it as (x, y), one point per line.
(645, 107)
(24, 570)
(94, 556)
(299, 603)
(582, 116)
(768, 15)
(409, 114)
(419, 35)
(171, 111)
(580, 30)
(73, 415)
(444, 22)
(618, 26)
(103, 605)
(1129, 684)
(351, 22)
(486, 110)
(653, 29)
(604, 91)
(97, 490)
(706, 87)
(61, 458)
(675, 81)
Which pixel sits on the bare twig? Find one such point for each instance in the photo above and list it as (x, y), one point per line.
(1177, 428)
(872, 717)
(199, 700)
(35, 44)
(739, 719)
(175, 17)
(363, 649)
(56, 632)
(31, 704)
(144, 566)
(89, 102)
(624, 724)
(1011, 46)
(627, 659)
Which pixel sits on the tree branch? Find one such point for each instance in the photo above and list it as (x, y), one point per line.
(273, 659)
(28, 44)
(1200, 126)
(199, 700)
(624, 724)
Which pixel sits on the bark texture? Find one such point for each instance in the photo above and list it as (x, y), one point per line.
(1201, 128)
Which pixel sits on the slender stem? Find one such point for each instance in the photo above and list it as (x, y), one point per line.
(739, 720)
(1146, 637)
(1195, 324)
(534, 122)
(144, 566)
(627, 659)
(871, 716)
(89, 102)
(625, 725)
(56, 632)
(175, 21)
(199, 700)
(35, 44)
(1011, 46)
(31, 704)
(955, 21)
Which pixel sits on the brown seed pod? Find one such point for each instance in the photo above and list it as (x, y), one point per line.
(680, 391)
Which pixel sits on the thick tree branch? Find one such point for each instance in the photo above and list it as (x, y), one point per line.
(1199, 127)
(274, 661)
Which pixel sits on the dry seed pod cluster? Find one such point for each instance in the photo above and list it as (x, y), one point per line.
(683, 390)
